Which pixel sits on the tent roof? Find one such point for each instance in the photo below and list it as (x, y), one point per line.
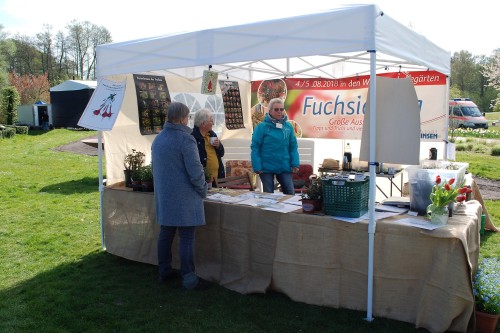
(74, 85)
(312, 45)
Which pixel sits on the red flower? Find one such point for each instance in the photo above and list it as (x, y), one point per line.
(451, 181)
(447, 187)
(438, 179)
(460, 198)
(464, 190)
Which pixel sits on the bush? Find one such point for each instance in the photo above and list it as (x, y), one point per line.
(8, 132)
(19, 129)
(10, 101)
(22, 129)
(495, 151)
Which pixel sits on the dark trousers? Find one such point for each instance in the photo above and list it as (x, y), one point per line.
(186, 249)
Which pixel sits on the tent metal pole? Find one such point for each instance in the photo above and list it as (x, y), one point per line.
(371, 201)
(101, 185)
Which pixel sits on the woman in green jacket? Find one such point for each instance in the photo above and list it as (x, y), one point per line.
(275, 150)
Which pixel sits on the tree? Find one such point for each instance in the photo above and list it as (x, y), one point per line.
(31, 88)
(44, 43)
(491, 70)
(7, 49)
(8, 107)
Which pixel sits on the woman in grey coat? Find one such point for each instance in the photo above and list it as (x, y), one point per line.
(180, 187)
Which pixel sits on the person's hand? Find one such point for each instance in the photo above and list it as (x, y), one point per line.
(259, 172)
(216, 143)
(295, 170)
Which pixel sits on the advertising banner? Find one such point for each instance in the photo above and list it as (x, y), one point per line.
(101, 111)
(335, 108)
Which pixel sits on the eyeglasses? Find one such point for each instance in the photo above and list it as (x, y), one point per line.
(279, 109)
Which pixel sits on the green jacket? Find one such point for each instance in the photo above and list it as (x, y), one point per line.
(274, 149)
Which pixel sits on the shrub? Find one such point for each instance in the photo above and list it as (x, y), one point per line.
(19, 129)
(10, 101)
(8, 132)
(495, 151)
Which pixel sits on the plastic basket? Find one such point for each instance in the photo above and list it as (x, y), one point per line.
(345, 198)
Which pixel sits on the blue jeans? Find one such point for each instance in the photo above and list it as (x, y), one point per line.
(186, 249)
(284, 178)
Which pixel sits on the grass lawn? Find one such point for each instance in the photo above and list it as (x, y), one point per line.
(56, 278)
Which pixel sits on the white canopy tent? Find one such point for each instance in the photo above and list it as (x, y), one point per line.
(355, 39)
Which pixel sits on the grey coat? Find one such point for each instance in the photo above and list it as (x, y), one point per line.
(179, 180)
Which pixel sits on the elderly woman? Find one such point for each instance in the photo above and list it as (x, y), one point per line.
(210, 148)
(180, 187)
(274, 149)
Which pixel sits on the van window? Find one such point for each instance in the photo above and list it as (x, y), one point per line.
(456, 111)
(471, 111)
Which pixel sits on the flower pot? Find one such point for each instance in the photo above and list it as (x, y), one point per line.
(136, 185)
(485, 322)
(128, 178)
(309, 206)
(147, 186)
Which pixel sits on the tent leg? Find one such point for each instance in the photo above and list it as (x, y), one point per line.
(101, 185)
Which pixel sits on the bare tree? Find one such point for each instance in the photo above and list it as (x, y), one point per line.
(44, 44)
(100, 35)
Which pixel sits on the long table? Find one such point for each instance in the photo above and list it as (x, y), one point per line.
(420, 276)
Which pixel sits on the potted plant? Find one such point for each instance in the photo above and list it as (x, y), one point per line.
(132, 162)
(486, 289)
(146, 176)
(312, 197)
(442, 195)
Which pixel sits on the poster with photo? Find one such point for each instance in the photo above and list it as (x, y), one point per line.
(231, 98)
(153, 100)
(209, 82)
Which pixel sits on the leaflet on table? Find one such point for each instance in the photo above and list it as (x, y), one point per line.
(419, 223)
(389, 208)
(258, 202)
(228, 198)
(378, 216)
(294, 200)
(281, 207)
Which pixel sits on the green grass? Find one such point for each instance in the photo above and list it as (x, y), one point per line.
(56, 278)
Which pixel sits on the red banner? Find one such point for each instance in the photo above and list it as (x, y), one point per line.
(335, 108)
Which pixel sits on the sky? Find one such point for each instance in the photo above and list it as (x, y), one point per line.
(452, 25)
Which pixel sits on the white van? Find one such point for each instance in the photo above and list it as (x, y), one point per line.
(465, 114)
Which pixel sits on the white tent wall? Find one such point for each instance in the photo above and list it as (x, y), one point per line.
(126, 135)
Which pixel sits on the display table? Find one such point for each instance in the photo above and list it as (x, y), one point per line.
(420, 276)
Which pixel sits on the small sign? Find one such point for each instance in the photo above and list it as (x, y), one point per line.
(209, 83)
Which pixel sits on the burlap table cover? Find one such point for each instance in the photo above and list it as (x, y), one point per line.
(422, 277)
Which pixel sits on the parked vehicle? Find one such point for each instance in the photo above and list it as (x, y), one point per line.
(465, 114)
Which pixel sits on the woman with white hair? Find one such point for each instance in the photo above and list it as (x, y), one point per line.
(210, 148)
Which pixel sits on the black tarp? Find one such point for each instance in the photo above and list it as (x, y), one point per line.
(68, 104)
